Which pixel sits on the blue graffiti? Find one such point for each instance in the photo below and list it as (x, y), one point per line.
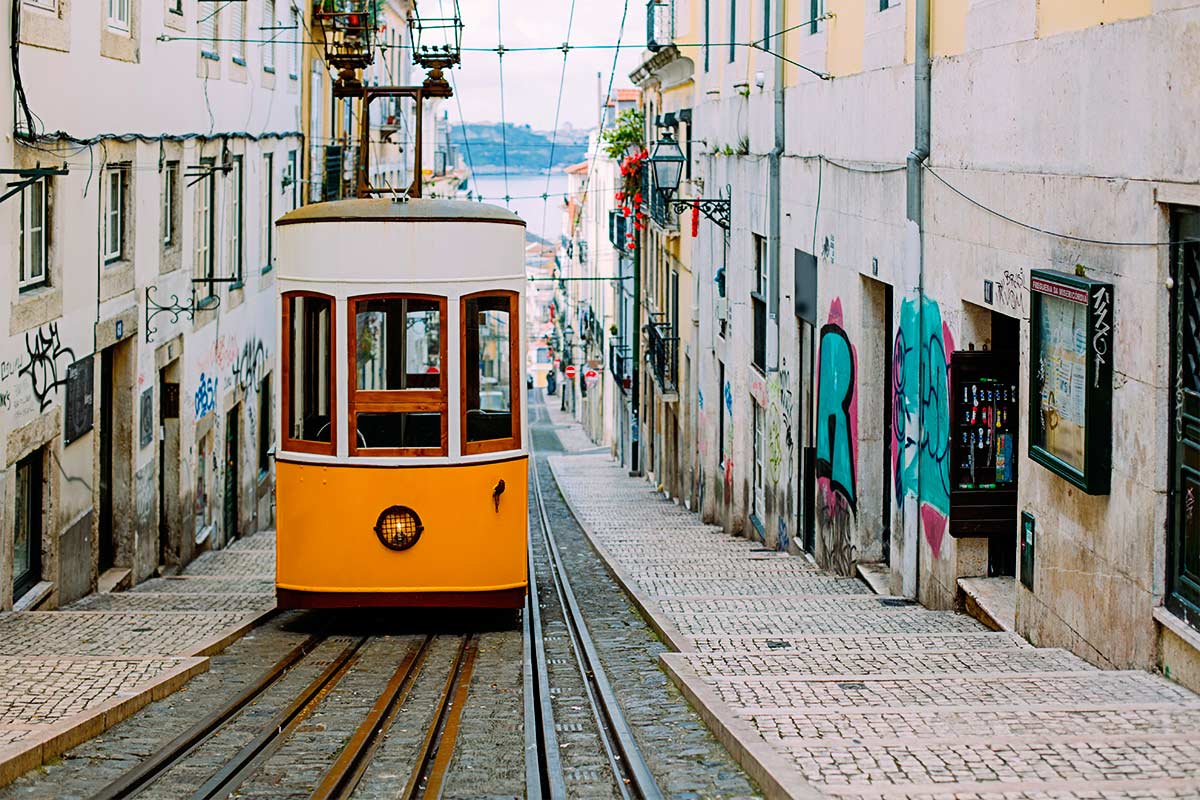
(206, 395)
(835, 413)
(728, 398)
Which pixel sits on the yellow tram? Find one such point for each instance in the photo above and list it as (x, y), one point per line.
(401, 464)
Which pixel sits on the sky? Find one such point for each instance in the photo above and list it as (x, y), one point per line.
(531, 79)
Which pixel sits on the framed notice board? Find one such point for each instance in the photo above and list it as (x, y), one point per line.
(1070, 377)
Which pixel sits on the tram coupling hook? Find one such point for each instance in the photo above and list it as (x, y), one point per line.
(499, 490)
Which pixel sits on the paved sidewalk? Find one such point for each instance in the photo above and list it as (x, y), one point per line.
(67, 675)
(821, 688)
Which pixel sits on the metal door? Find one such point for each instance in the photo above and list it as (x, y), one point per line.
(1184, 598)
(107, 532)
(232, 449)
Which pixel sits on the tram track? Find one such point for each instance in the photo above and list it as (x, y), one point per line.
(630, 770)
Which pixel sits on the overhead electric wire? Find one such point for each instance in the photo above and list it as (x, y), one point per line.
(562, 77)
(503, 124)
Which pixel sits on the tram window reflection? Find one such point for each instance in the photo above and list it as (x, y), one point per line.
(487, 376)
(398, 344)
(309, 384)
(399, 429)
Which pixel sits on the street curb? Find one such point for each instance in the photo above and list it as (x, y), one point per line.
(650, 610)
(778, 779)
(770, 769)
(218, 642)
(55, 739)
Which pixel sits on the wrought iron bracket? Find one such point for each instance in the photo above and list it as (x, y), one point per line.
(715, 209)
(27, 177)
(176, 309)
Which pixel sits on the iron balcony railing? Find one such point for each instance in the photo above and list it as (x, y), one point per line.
(656, 206)
(618, 228)
(660, 24)
(661, 351)
(620, 365)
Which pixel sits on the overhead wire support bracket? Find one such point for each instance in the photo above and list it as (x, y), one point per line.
(28, 177)
(715, 209)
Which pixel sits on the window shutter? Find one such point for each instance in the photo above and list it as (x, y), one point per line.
(239, 30)
(208, 32)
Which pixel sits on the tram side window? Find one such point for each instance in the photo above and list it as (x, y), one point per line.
(400, 392)
(487, 372)
(309, 378)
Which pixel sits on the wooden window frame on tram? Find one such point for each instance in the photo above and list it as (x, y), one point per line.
(492, 445)
(306, 445)
(396, 400)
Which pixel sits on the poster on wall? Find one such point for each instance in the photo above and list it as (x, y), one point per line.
(1070, 335)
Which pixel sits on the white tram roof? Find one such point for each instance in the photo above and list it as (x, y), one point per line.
(382, 209)
(445, 250)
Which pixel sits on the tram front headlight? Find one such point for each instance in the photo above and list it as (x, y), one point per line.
(398, 527)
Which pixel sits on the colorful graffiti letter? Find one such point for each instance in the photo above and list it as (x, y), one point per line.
(837, 412)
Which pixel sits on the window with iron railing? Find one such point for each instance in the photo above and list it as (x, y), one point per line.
(657, 206)
(758, 302)
(661, 351)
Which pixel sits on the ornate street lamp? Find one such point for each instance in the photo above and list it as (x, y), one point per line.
(437, 40)
(666, 167)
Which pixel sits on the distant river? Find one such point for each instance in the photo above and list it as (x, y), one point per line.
(526, 191)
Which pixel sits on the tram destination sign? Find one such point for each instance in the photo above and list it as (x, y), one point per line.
(1070, 377)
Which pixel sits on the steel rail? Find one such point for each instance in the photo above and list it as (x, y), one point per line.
(543, 762)
(342, 778)
(135, 780)
(434, 756)
(273, 734)
(629, 764)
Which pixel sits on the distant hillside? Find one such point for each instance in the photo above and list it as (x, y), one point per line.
(528, 150)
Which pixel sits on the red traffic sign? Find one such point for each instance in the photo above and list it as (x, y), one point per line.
(571, 372)
(591, 377)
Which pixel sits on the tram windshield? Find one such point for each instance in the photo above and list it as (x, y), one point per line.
(399, 344)
(487, 378)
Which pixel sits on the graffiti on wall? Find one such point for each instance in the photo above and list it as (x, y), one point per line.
(727, 393)
(837, 434)
(46, 364)
(249, 366)
(205, 398)
(922, 341)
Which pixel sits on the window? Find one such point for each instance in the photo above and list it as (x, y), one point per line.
(207, 31)
(884, 5)
(237, 32)
(292, 178)
(308, 372)
(491, 391)
(816, 11)
(268, 204)
(294, 47)
(398, 399)
(114, 213)
(49, 5)
(238, 214)
(767, 23)
(759, 497)
(315, 163)
(707, 31)
(170, 189)
(733, 30)
(118, 15)
(264, 426)
(202, 508)
(175, 7)
(758, 302)
(206, 193)
(34, 239)
(27, 528)
(268, 35)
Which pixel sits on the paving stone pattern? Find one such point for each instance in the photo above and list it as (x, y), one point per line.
(830, 691)
(76, 668)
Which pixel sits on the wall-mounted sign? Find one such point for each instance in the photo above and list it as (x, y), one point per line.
(80, 404)
(146, 418)
(1027, 549)
(1070, 377)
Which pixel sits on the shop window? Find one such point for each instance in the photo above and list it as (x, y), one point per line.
(398, 393)
(491, 393)
(308, 364)
(27, 529)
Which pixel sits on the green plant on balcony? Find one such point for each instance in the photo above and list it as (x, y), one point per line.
(625, 135)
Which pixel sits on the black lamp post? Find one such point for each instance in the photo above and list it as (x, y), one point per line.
(666, 165)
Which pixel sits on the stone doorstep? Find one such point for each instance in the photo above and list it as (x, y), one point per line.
(992, 601)
(876, 575)
(47, 741)
(114, 580)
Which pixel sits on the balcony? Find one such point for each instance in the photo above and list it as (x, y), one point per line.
(661, 352)
(660, 24)
(656, 207)
(620, 366)
(618, 229)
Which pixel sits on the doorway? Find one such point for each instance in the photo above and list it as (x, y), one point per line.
(116, 463)
(233, 451)
(108, 544)
(807, 524)
(1006, 342)
(27, 530)
(169, 540)
(1183, 575)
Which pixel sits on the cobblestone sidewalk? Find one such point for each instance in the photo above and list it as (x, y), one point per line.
(67, 675)
(821, 688)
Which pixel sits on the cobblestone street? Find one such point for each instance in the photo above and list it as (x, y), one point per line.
(821, 687)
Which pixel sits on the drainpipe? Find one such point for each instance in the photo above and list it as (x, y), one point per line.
(775, 213)
(915, 272)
